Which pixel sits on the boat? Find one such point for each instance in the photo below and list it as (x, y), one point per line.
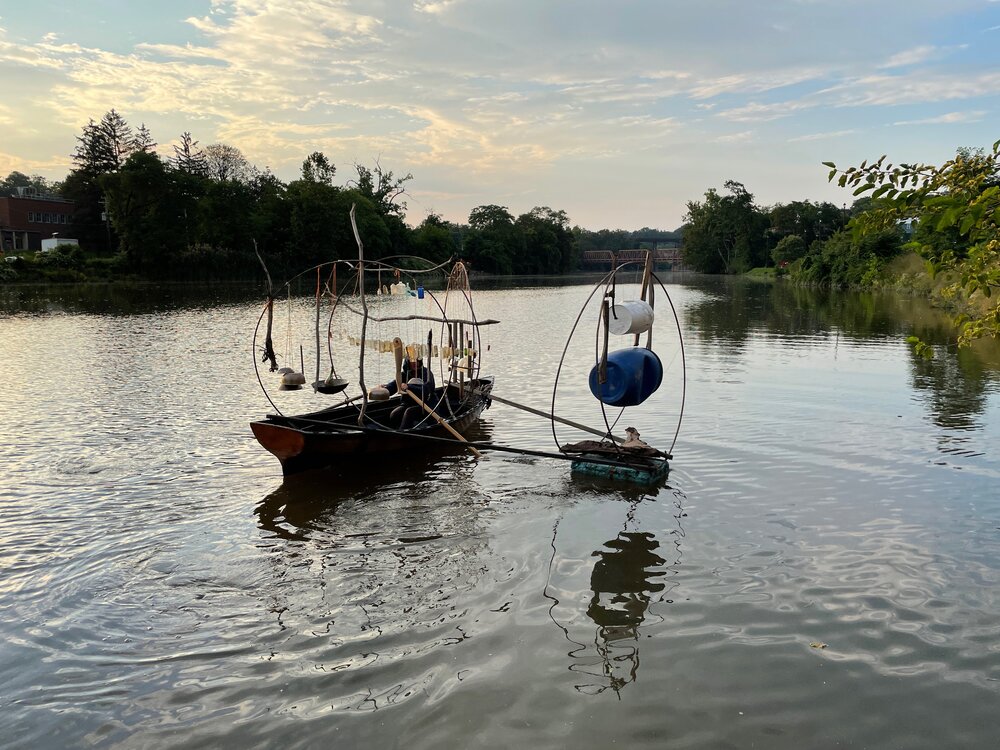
(410, 415)
(334, 438)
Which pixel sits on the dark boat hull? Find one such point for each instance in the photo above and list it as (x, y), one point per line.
(332, 438)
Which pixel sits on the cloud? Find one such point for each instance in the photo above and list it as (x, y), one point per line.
(429, 6)
(947, 119)
(755, 112)
(910, 57)
(754, 83)
(821, 136)
(742, 137)
(888, 90)
(10, 163)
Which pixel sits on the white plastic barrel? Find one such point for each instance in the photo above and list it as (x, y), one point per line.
(635, 316)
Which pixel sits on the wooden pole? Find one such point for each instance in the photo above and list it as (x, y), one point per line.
(458, 435)
(364, 318)
(646, 273)
(397, 353)
(269, 355)
(316, 382)
(561, 420)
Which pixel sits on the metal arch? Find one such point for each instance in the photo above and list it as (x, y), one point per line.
(603, 282)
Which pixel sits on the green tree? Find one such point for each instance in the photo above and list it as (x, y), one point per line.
(141, 203)
(104, 146)
(846, 260)
(188, 158)
(37, 183)
(725, 233)
(143, 140)
(789, 248)
(433, 239)
(492, 241)
(808, 220)
(313, 221)
(227, 163)
(102, 149)
(317, 168)
(962, 194)
(382, 188)
(547, 244)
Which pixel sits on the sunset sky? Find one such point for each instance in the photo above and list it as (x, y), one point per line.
(616, 112)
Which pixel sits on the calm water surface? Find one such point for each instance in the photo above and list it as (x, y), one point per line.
(163, 587)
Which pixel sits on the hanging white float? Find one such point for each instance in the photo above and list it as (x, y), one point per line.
(635, 316)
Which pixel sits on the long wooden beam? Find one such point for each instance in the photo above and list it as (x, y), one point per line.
(561, 420)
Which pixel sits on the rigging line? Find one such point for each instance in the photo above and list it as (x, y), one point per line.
(387, 266)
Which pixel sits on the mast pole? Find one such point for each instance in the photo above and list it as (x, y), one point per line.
(364, 318)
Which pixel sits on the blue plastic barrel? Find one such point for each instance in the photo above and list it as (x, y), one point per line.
(633, 376)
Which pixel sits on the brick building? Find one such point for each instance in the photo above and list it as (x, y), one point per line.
(26, 220)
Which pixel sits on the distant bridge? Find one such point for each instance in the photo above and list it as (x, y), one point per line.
(662, 257)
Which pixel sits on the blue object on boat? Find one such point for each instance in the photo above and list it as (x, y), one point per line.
(633, 376)
(420, 292)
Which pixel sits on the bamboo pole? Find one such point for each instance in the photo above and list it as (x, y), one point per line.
(437, 417)
(316, 381)
(561, 420)
(646, 273)
(364, 318)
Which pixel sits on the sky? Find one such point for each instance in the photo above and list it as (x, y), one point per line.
(618, 112)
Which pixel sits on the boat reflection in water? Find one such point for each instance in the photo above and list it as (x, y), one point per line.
(307, 502)
(629, 576)
(371, 571)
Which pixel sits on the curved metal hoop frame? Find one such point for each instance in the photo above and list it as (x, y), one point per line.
(604, 284)
(378, 265)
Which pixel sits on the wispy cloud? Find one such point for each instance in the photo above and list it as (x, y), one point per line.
(884, 90)
(947, 119)
(911, 56)
(755, 112)
(821, 136)
(741, 137)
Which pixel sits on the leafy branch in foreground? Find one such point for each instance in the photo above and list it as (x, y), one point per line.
(957, 208)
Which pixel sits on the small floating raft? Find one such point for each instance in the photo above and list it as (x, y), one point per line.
(653, 472)
(631, 461)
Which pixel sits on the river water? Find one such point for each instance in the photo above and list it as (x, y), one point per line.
(820, 570)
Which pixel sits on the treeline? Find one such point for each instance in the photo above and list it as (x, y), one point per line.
(199, 213)
(730, 233)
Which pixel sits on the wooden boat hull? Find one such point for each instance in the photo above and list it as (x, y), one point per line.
(331, 439)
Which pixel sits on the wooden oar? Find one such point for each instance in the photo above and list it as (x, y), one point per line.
(397, 351)
(458, 435)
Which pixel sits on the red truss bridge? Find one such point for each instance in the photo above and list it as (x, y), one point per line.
(666, 257)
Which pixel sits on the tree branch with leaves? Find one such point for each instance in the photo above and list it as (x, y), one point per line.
(960, 197)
